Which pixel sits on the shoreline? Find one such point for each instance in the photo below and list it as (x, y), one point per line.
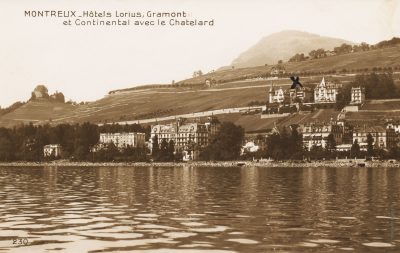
(267, 164)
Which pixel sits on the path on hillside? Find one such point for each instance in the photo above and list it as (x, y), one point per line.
(191, 115)
(318, 113)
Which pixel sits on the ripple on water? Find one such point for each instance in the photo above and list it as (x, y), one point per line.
(387, 217)
(184, 218)
(324, 241)
(308, 244)
(154, 226)
(243, 241)
(77, 221)
(113, 235)
(236, 233)
(196, 245)
(193, 224)
(378, 244)
(145, 219)
(175, 235)
(97, 225)
(210, 230)
(147, 215)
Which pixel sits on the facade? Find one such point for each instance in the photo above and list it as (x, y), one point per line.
(52, 150)
(393, 125)
(189, 136)
(316, 134)
(303, 95)
(123, 140)
(357, 96)
(276, 96)
(325, 93)
(382, 138)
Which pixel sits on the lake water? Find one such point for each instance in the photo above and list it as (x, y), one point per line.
(149, 209)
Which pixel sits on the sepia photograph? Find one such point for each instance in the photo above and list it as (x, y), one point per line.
(188, 126)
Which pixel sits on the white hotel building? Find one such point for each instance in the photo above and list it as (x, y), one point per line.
(122, 140)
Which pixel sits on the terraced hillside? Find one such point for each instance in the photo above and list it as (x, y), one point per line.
(140, 104)
(37, 111)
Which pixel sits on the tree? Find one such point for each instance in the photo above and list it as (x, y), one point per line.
(370, 143)
(163, 154)
(295, 143)
(364, 46)
(7, 147)
(343, 49)
(377, 86)
(226, 144)
(355, 149)
(343, 98)
(59, 97)
(42, 90)
(331, 143)
(171, 150)
(297, 58)
(155, 147)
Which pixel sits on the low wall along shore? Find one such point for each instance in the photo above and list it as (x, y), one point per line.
(283, 164)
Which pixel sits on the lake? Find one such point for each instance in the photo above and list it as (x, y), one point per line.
(194, 209)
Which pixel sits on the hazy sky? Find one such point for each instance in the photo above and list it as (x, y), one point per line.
(87, 62)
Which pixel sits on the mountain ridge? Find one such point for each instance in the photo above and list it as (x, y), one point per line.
(283, 45)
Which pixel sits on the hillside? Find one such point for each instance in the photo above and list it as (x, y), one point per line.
(352, 62)
(282, 46)
(38, 111)
(158, 101)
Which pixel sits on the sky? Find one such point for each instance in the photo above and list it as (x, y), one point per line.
(86, 62)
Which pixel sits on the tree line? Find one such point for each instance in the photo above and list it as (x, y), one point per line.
(78, 141)
(377, 86)
(344, 49)
(26, 142)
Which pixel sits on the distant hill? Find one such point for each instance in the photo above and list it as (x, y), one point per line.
(282, 46)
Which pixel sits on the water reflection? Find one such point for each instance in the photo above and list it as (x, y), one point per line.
(199, 209)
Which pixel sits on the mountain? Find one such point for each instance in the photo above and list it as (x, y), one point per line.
(282, 46)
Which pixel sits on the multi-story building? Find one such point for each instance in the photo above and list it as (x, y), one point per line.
(123, 140)
(384, 138)
(325, 93)
(276, 96)
(52, 150)
(357, 96)
(303, 95)
(316, 134)
(394, 125)
(185, 136)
